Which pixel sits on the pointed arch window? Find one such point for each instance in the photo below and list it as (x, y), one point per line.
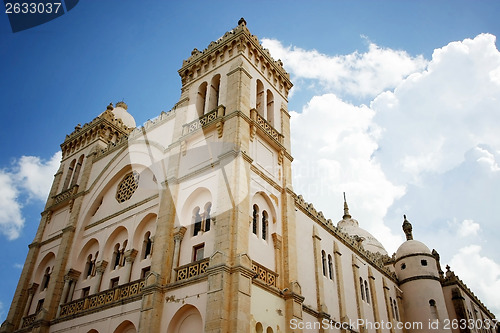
(76, 173)
(147, 245)
(260, 99)
(330, 267)
(264, 225)
(362, 287)
(202, 220)
(69, 174)
(201, 99)
(197, 221)
(323, 260)
(255, 219)
(46, 279)
(367, 292)
(270, 107)
(213, 99)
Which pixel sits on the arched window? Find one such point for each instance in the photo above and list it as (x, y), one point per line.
(392, 307)
(89, 266)
(260, 99)
(434, 311)
(213, 99)
(259, 328)
(76, 173)
(201, 98)
(270, 107)
(396, 310)
(367, 292)
(255, 219)
(362, 289)
(46, 279)
(206, 216)
(69, 174)
(197, 221)
(147, 245)
(264, 225)
(116, 256)
(323, 260)
(330, 267)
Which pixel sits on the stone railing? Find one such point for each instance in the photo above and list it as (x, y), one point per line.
(203, 120)
(28, 320)
(117, 294)
(191, 270)
(268, 128)
(264, 274)
(66, 194)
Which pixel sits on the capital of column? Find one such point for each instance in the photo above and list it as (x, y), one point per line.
(277, 240)
(72, 275)
(32, 289)
(130, 255)
(100, 266)
(179, 235)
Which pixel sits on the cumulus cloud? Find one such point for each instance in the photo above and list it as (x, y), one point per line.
(337, 158)
(358, 74)
(29, 178)
(427, 145)
(479, 272)
(433, 117)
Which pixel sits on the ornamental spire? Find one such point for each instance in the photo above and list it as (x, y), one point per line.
(346, 210)
(407, 228)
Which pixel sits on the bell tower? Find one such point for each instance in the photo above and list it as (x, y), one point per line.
(232, 122)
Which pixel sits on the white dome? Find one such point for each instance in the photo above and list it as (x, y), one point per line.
(120, 112)
(412, 247)
(351, 227)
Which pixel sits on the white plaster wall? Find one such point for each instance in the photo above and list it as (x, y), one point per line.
(268, 309)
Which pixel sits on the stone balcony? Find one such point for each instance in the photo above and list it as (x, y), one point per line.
(265, 274)
(191, 270)
(104, 299)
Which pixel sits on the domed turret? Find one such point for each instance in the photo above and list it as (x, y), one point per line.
(351, 227)
(419, 279)
(120, 112)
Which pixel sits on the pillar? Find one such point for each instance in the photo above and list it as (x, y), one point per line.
(340, 284)
(129, 261)
(31, 292)
(373, 295)
(178, 236)
(100, 268)
(357, 287)
(277, 240)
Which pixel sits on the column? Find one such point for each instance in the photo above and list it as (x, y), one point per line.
(318, 265)
(373, 294)
(100, 268)
(129, 261)
(388, 305)
(357, 287)
(277, 259)
(340, 284)
(178, 236)
(31, 292)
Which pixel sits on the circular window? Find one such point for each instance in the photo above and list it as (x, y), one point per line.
(127, 187)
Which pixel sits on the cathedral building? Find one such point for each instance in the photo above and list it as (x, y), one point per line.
(189, 224)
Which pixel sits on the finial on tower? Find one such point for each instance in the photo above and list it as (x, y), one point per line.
(407, 228)
(242, 21)
(346, 209)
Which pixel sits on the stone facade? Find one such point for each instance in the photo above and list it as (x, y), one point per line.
(190, 224)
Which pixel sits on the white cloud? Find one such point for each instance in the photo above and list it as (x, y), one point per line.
(468, 228)
(480, 273)
(11, 219)
(357, 74)
(29, 176)
(427, 145)
(337, 158)
(434, 117)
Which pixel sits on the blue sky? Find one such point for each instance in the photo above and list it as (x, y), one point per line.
(403, 98)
